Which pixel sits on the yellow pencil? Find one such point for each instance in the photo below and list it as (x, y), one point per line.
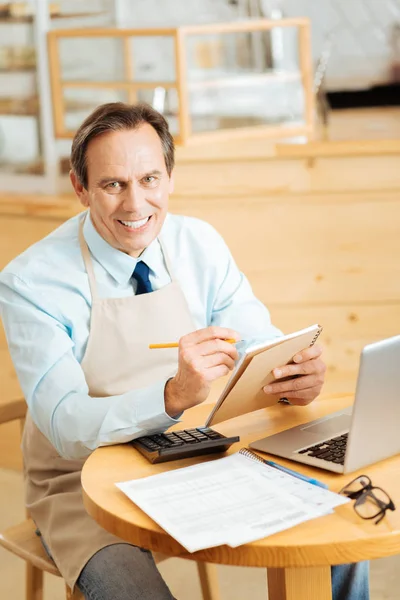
(176, 345)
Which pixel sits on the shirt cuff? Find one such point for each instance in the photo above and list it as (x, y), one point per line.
(150, 411)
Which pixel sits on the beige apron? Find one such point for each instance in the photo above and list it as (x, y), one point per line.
(117, 359)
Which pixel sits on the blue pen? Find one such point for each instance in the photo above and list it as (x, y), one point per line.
(295, 474)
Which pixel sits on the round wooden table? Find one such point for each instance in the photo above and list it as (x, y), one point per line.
(298, 559)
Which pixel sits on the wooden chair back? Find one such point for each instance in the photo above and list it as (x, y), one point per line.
(22, 539)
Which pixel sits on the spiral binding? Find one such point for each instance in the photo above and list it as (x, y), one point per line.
(249, 454)
(316, 336)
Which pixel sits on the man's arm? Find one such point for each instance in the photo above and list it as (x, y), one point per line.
(54, 384)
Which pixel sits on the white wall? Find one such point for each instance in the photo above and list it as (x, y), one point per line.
(362, 52)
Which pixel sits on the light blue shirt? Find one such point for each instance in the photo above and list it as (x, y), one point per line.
(45, 306)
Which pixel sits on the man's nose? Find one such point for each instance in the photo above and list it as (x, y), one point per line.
(133, 197)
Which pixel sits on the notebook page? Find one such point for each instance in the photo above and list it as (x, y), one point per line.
(225, 501)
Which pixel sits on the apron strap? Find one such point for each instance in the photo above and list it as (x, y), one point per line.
(87, 260)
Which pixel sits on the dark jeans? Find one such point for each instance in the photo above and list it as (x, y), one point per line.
(123, 572)
(120, 572)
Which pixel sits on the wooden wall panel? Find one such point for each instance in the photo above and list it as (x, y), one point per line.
(249, 178)
(346, 330)
(356, 172)
(241, 178)
(304, 252)
(16, 234)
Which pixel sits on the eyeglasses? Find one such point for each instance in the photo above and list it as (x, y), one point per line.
(370, 502)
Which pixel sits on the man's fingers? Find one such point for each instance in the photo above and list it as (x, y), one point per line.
(307, 372)
(292, 385)
(217, 372)
(217, 346)
(303, 397)
(308, 354)
(315, 365)
(218, 359)
(208, 333)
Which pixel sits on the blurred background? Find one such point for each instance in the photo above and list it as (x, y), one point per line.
(286, 118)
(231, 80)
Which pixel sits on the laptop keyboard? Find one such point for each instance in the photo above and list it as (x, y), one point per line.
(332, 450)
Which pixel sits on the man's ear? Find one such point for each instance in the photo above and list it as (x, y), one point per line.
(171, 183)
(80, 191)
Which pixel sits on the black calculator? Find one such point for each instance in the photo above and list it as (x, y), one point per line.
(162, 447)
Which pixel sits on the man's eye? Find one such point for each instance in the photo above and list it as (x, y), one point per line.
(149, 179)
(113, 185)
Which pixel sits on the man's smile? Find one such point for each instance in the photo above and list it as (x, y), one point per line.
(135, 225)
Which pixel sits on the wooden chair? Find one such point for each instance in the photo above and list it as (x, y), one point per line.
(22, 540)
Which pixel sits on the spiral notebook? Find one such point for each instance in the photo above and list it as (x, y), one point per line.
(244, 391)
(232, 500)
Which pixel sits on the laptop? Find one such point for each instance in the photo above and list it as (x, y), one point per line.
(357, 436)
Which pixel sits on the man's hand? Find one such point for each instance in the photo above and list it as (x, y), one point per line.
(301, 390)
(203, 357)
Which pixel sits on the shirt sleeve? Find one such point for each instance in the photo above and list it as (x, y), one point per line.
(54, 384)
(235, 304)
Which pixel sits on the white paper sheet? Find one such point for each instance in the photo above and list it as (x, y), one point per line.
(231, 500)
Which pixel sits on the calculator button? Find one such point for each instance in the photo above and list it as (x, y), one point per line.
(161, 441)
(210, 433)
(186, 438)
(147, 443)
(173, 439)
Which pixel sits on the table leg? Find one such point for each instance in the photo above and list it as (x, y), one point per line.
(307, 583)
(209, 581)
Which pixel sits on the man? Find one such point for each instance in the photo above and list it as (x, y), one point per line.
(80, 308)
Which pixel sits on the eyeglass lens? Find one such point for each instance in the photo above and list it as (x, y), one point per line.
(356, 486)
(372, 503)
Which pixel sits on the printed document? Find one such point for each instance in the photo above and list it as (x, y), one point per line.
(231, 500)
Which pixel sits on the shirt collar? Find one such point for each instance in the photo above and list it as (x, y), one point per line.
(118, 264)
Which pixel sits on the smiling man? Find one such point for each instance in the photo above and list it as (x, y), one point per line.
(80, 309)
(125, 179)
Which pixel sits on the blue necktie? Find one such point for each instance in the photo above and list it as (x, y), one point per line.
(141, 275)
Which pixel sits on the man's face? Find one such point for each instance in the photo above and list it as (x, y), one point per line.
(128, 187)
